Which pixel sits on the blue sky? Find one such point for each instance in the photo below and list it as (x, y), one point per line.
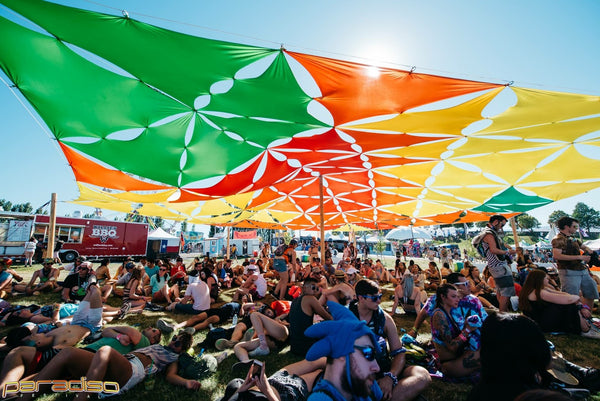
(537, 44)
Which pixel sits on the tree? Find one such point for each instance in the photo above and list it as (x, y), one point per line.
(380, 245)
(588, 217)
(527, 222)
(5, 205)
(555, 216)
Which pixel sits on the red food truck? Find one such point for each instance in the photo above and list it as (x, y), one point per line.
(92, 238)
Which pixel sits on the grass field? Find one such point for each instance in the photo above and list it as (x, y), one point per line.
(575, 348)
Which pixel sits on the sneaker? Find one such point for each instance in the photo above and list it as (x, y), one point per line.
(591, 334)
(249, 334)
(221, 357)
(241, 366)
(123, 311)
(222, 344)
(189, 330)
(260, 351)
(164, 326)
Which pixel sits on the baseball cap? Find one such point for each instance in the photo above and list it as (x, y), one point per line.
(129, 265)
(352, 270)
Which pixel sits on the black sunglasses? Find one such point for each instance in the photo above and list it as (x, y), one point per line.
(163, 270)
(367, 351)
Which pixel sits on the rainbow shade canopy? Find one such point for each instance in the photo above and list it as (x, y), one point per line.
(213, 132)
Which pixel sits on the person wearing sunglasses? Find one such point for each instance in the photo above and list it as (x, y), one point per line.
(48, 276)
(160, 289)
(26, 359)
(75, 285)
(396, 380)
(130, 369)
(350, 347)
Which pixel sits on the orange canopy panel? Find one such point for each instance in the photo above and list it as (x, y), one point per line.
(90, 172)
(352, 91)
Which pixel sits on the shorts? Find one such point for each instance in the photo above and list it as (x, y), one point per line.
(138, 373)
(225, 312)
(500, 270)
(505, 286)
(574, 280)
(280, 265)
(41, 359)
(289, 387)
(87, 317)
(188, 308)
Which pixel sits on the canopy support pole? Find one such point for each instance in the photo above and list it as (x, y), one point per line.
(227, 253)
(51, 227)
(514, 230)
(322, 220)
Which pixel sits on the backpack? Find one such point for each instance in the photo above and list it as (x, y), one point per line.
(196, 368)
(408, 285)
(279, 251)
(213, 335)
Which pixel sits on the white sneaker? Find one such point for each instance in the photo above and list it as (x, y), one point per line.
(591, 334)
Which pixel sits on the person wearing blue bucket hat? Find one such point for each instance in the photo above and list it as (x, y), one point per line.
(350, 347)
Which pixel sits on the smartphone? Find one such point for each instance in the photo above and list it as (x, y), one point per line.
(256, 368)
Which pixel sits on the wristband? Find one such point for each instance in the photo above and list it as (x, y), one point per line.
(462, 337)
(118, 337)
(415, 329)
(393, 377)
(397, 352)
(584, 306)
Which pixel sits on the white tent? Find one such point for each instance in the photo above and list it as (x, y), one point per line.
(404, 233)
(159, 233)
(593, 244)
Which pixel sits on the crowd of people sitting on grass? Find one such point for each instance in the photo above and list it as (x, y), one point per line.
(328, 313)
